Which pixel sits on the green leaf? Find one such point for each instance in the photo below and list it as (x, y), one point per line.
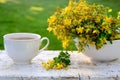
(111, 41)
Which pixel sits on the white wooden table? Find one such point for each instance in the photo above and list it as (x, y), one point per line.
(80, 65)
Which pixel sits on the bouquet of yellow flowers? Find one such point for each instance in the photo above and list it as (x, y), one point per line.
(90, 23)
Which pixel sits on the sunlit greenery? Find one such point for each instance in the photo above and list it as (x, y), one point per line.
(32, 15)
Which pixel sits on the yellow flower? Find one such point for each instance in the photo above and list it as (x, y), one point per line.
(107, 19)
(82, 39)
(51, 62)
(59, 66)
(65, 44)
(79, 20)
(55, 31)
(87, 30)
(118, 17)
(61, 27)
(104, 40)
(49, 29)
(67, 22)
(51, 19)
(117, 36)
(98, 19)
(67, 9)
(92, 43)
(80, 29)
(44, 64)
(104, 24)
(75, 22)
(86, 17)
(96, 31)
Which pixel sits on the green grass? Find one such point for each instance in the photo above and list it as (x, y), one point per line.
(113, 4)
(17, 16)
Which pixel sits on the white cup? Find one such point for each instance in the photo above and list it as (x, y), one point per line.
(23, 47)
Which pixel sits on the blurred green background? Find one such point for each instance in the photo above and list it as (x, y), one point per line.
(31, 16)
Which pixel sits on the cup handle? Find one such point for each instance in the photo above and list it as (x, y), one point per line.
(42, 39)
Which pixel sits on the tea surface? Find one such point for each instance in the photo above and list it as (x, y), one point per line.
(22, 38)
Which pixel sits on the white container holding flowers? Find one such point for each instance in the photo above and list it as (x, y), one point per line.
(108, 52)
(96, 31)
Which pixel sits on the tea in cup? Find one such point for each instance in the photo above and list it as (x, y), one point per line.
(23, 47)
